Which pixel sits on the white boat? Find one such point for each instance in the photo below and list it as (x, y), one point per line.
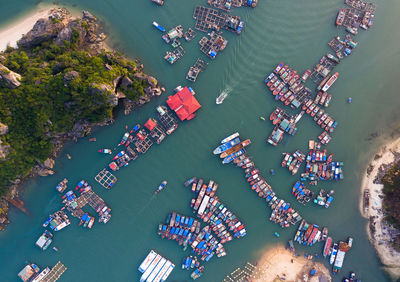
(229, 138)
(221, 98)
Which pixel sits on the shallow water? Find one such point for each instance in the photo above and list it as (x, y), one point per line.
(296, 32)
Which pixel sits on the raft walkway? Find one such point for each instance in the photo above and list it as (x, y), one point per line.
(242, 274)
(55, 273)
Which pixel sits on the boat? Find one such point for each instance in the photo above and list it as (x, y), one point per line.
(327, 246)
(276, 234)
(333, 253)
(90, 225)
(55, 249)
(305, 75)
(44, 240)
(333, 58)
(340, 17)
(158, 2)
(68, 156)
(190, 181)
(105, 151)
(124, 138)
(329, 82)
(236, 148)
(229, 138)
(233, 156)
(222, 148)
(161, 187)
(220, 99)
(120, 154)
(92, 139)
(159, 27)
(134, 129)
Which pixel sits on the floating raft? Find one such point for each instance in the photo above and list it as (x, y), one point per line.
(55, 273)
(195, 70)
(105, 178)
(242, 274)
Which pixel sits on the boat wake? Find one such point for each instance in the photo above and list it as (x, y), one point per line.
(223, 95)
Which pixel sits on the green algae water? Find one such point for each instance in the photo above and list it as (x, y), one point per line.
(296, 32)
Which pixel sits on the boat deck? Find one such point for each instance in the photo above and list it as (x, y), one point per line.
(105, 178)
(321, 70)
(361, 5)
(55, 273)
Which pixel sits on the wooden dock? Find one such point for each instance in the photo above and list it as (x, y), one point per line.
(105, 178)
(244, 274)
(55, 273)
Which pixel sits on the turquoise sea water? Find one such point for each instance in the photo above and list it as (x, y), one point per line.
(296, 32)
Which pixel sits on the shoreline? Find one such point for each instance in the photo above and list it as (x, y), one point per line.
(377, 229)
(279, 264)
(12, 31)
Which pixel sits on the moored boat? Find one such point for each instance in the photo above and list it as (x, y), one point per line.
(105, 151)
(161, 187)
(327, 246)
(229, 138)
(159, 27)
(222, 148)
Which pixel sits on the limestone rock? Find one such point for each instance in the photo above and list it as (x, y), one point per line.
(150, 80)
(43, 30)
(66, 33)
(3, 129)
(49, 163)
(88, 16)
(105, 90)
(8, 78)
(126, 83)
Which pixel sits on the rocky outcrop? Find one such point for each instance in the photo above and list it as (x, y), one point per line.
(4, 150)
(45, 29)
(8, 78)
(70, 76)
(150, 80)
(3, 129)
(105, 90)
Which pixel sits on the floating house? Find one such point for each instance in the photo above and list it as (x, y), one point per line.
(184, 104)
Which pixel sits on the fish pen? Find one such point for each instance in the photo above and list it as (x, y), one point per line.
(189, 34)
(158, 133)
(144, 144)
(195, 70)
(172, 57)
(361, 5)
(131, 153)
(211, 46)
(242, 274)
(207, 18)
(322, 69)
(55, 273)
(105, 178)
(167, 119)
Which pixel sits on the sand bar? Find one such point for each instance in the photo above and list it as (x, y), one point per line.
(379, 232)
(13, 31)
(278, 264)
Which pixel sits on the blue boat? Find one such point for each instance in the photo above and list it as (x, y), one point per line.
(159, 27)
(233, 156)
(135, 128)
(226, 146)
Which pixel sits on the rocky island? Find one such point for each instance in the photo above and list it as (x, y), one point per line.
(59, 82)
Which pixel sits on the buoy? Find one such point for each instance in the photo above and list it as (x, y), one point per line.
(262, 118)
(272, 172)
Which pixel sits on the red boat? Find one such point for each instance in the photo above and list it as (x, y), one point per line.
(340, 17)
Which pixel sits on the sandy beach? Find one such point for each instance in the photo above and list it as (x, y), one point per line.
(13, 31)
(278, 264)
(378, 231)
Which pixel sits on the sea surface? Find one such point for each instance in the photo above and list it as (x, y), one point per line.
(293, 31)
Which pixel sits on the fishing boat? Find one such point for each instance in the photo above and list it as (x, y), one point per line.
(233, 156)
(305, 75)
(158, 2)
(90, 225)
(222, 148)
(159, 27)
(220, 99)
(105, 151)
(45, 240)
(236, 148)
(190, 181)
(68, 156)
(276, 234)
(330, 81)
(161, 187)
(55, 249)
(340, 17)
(124, 138)
(92, 140)
(327, 246)
(229, 138)
(333, 253)
(135, 128)
(120, 154)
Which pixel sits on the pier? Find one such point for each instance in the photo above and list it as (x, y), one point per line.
(105, 179)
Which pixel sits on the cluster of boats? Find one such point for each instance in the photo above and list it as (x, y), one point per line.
(45, 240)
(319, 115)
(142, 138)
(155, 268)
(309, 234)
(324, 198)
(282, 213)
(302, 194)
(320, 166)
(293, 161)
(224, 223)
(287, 85)
(325, 138)
(323, 99)
(62, 185)
(190, 262)
(57, 221)
(283, 123)
(231, 148)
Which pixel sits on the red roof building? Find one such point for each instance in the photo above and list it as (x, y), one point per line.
(150, 124)
(184, 104)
